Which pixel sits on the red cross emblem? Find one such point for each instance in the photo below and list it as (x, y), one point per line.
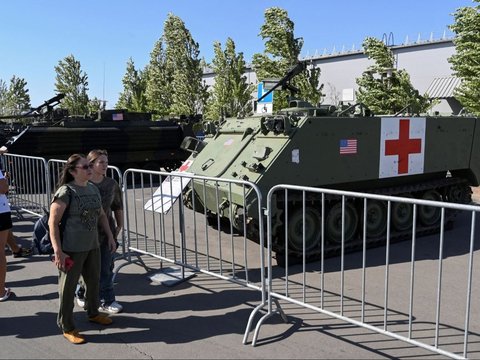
(185, 165)
(403, 146)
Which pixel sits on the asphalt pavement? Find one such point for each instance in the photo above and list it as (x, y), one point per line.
(201, 318)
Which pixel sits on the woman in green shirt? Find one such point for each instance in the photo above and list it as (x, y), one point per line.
(113, 207)
(77, 249)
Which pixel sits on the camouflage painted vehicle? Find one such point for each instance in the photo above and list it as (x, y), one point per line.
(433, 158)
(132, 139)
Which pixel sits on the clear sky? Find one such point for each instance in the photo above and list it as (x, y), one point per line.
(36, 34)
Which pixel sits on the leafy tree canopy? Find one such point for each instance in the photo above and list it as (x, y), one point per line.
(466, 61)
(3, 97)
(73, 82)
(183, 63)
(158, 81)
(231, 94)
(383, 88)
(14, 99)
(281, 53)
(133, 96)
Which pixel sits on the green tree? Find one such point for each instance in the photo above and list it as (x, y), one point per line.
(73, 82)
(17, 97)
(281, 53)
(3, 97)
(231, 94)
(466, 61)
(95, 105)
(133, 96)
(158, 81)
(204, 95)
(240, 103)
(383, 88)
(182, 61)
(216, 106)
(309, 85)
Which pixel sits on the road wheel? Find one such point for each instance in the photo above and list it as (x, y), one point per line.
(312, 229)
(376, 218)
(402, 215)
(460, 193)
(430, 215)
(333, 223)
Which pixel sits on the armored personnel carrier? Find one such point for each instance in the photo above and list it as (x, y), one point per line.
(433, 158)
(132, 139)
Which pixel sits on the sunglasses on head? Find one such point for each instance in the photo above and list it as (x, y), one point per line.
(85, 167)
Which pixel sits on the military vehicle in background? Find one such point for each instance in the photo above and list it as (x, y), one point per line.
(132, 139)
(424, 157)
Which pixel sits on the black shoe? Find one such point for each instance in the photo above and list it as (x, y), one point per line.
(22, 252)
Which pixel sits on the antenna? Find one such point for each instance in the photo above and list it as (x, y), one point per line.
(103, 92)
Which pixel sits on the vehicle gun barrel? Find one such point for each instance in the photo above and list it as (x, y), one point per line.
(284, 82)
(38, 111)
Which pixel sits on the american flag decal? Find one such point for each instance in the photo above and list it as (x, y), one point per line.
(117, 116)
(348, 146)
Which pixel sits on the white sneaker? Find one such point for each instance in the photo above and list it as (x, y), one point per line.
(80, 302)
(113, 308)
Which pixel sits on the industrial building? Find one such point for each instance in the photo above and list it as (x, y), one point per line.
(426, 61)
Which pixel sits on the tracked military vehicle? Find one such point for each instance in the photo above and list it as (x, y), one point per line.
(433, 158)
(132, 139)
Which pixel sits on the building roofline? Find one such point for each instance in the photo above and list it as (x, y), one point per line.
(393, 47)
(208, 71)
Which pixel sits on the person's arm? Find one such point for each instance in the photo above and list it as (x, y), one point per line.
(3, 183)
(117, 208)
(106, 228)
(3, 186)
(57, 208)
(118, 214)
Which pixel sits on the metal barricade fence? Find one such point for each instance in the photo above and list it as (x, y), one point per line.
(161, 224)
(29, 183)
(55, 167)
(421, 292)
(32, 181)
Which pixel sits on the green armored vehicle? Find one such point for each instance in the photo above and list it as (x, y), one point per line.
(432, 158)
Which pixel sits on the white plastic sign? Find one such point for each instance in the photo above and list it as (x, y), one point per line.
(165, 196)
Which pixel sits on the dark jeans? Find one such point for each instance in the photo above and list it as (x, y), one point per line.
(107, 295)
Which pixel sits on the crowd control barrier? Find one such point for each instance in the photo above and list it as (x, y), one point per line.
(426, 295)
(29, 187)
(55, 167)
(161, 224)
(32, 181)
(422, 290)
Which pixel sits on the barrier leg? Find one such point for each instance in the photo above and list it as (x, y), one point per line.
(278, 310)
(127, 258)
